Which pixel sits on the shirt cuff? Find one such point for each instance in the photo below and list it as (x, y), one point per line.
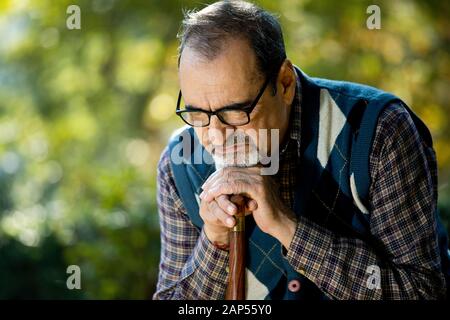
(209, 260)
(308, 248)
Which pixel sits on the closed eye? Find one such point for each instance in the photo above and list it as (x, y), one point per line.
(234, 106)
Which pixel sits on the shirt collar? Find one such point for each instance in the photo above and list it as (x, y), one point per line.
(294, 131)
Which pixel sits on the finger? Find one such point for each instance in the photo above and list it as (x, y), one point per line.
(252, 205)
(226, 205)
(213, 177)
(227, 173)
(236, 187)
(219, 215)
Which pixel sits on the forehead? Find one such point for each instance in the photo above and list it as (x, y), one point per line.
(233, 72)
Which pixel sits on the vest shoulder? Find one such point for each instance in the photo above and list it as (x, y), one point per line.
(352, 89)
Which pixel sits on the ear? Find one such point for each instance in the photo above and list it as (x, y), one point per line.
(286, 82)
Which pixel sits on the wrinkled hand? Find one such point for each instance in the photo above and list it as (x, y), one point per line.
(217, 216)
(269, 211)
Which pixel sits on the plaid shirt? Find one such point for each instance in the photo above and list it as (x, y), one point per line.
(402, 203)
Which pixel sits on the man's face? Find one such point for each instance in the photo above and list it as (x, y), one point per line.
(232, 78)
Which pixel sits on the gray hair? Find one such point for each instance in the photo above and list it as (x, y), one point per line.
(207, 30)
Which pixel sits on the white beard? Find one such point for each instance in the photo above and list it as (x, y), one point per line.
(246, 156)
(240, 159)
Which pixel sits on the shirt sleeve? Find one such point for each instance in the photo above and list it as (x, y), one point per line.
(402, 217)
(191, 267)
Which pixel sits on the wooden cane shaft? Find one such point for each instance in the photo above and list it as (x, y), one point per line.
(236, 279)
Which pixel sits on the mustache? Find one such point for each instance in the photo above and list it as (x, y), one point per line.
(235, 140)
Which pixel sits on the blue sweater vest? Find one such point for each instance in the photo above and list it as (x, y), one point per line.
(338, 125)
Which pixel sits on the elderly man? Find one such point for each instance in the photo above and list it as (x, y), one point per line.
(349, 212)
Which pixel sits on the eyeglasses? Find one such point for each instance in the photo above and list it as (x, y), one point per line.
(233, 116)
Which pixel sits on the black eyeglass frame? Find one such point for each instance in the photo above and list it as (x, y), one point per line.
(248, 109)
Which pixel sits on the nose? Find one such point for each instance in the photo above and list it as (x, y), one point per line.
(217, 131)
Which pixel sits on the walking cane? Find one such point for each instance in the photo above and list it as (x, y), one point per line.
(236, 278)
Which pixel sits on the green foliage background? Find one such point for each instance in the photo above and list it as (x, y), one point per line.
(84, 115)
